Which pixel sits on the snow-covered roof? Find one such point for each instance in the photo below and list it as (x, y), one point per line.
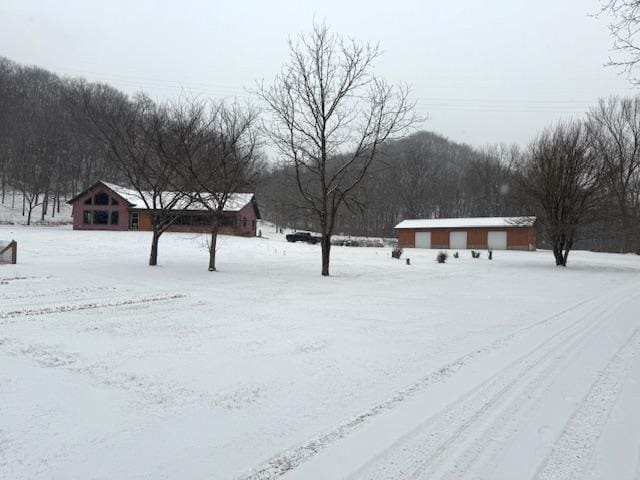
(489, 222)
(234, 203)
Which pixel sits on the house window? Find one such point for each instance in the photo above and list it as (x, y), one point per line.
(134, 219)
(114, 201)
(88, 201)
(227, 221)
(244, 223)
(101, 199)
(86, 217)
(201, 220)
(115, 217)
(100, 217)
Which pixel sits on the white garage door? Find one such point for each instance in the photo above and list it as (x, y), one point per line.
(423, 240)
(497, 240)
(458, 240)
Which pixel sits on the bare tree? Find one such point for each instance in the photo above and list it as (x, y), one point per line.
(215, 147)
(561, 180)
(614, 128)
(624, 28)
(129, 131)
(330, 115)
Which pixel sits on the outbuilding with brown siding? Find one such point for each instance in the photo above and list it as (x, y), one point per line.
(495, 233)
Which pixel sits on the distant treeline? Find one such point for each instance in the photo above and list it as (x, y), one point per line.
(426, 175)
(43, 154)
(46, 156)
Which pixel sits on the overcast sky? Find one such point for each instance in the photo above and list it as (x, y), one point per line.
(482, 71)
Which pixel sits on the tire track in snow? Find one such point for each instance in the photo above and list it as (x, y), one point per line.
(153, 394)
(52, 293)
(8, 280)
(573, 451)
(288, 460)
(30, 312)
(486, 447)
(421, 452)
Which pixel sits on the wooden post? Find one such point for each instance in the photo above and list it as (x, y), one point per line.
(13, 245)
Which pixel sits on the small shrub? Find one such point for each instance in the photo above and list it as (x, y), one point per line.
(490, 254)
(475, 254)
(442, 257)
(396, 252)
(456, 255)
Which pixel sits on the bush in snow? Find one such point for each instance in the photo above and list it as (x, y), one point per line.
(475, 254)
(442, 257)
(396, 252)
(456, 255)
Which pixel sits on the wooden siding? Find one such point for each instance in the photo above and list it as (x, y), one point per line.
(518, 238)
(244, 220)
(144, 219)
(79, 207)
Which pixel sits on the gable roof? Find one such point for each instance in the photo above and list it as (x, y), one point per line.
(487, 222)
(235, 202)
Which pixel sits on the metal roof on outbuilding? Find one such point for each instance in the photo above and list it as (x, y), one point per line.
(474, 222)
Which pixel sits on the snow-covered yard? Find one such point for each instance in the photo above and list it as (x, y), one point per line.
(501, 369)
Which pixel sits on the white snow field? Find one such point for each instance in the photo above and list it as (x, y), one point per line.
(475, 369)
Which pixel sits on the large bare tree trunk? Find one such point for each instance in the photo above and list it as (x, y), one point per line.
(153, 258)
(325, 244)
(212, 249)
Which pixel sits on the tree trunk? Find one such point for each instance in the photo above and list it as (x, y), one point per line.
(29, 214)
(212, 249)
(325, 244)
(153, 258)
(557, 251)
(561, 249)
(45, 205)
(567, 248)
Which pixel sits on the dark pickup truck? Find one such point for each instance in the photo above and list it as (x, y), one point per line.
(302, 237)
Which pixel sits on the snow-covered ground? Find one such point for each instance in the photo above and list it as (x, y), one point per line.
(501, 369)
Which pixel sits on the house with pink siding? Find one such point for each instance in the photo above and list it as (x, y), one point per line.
(106, 206)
